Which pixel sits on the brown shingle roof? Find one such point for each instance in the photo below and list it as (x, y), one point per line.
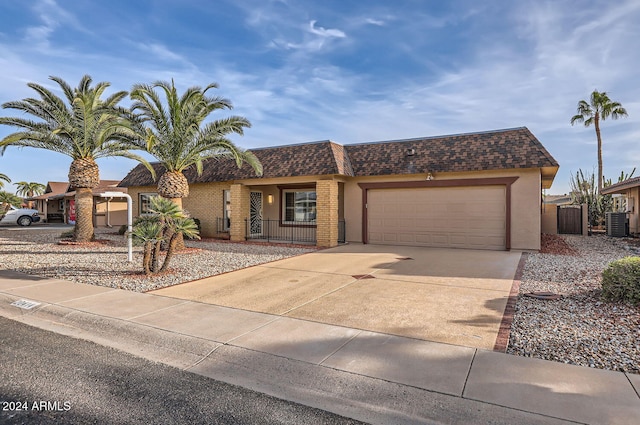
(493, 150)
(53, 189)
(622, 186)
(306, 159)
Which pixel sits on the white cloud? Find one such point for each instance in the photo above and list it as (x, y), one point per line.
(377, 22)
(160, 51)
(323, 32)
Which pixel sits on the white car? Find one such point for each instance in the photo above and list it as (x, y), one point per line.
(19, 216)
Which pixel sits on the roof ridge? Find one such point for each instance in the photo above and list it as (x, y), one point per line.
(443, 136)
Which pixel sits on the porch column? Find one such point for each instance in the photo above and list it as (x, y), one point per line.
(239, 212)
(326, 213)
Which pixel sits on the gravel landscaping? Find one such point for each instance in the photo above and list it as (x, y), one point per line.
(105, 263)
(579, 327)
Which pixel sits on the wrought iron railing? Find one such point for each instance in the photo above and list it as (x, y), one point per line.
(220, 225)
(275, 230)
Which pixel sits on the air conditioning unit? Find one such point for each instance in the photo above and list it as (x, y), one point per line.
(616, 224)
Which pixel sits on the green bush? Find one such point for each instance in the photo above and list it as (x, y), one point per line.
(122, 230)
(621, 280)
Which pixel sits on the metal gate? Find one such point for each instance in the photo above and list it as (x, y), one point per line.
(570, 219)
(255, 214)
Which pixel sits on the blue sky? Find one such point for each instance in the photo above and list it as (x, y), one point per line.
(349, 71)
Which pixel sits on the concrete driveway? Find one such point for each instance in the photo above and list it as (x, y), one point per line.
(445, 295)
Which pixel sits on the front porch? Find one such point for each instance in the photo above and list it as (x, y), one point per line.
(305, 212)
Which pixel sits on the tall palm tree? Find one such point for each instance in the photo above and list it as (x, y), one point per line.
(600, 107)
(30, 189)
(5, 178)
(175, 133)
(82, 126)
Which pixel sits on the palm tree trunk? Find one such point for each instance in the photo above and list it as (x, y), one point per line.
(146, 259)
(179, 242)
(170, 251)
(83, 231)
(600, 176)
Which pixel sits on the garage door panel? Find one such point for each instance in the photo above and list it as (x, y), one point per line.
(459, 217)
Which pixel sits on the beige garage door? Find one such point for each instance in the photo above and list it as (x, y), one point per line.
(453, 217)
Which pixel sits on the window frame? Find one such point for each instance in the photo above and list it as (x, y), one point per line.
(283, 207)
(140, 202)
(226, 213)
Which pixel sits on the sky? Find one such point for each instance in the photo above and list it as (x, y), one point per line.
(344, 70)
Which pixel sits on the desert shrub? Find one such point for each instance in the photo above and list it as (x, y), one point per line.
(122, 230)
(67, 235)
(621, 280)
(197, 221)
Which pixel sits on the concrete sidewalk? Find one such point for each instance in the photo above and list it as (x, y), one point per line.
(373, 377)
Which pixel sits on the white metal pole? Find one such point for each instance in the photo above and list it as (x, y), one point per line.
(129, 227)
(129, 218)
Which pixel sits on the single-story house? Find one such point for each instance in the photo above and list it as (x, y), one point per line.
(56, 204)
(477, 190)
(629, 189)
(50, 204)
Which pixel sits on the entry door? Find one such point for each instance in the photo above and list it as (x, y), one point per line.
(255, 214)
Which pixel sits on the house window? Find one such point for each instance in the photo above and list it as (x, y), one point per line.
(145, 202)
(299, 206)
(226, 199)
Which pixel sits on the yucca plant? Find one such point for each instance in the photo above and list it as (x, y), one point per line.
(80, 125)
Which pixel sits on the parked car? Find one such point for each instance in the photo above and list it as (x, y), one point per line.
(19, 216)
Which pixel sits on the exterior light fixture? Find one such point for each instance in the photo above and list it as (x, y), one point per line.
(429, 176)
(270, 199)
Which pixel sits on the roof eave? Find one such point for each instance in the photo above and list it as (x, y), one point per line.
(548, 174)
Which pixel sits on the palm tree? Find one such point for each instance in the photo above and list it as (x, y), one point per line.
(30, 189)
(82, 126)
(5, 178)
(175, 134)
(6, 200)
(599, 108)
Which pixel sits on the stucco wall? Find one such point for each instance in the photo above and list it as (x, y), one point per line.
(525, 203)
(117, 212)
(549, 219)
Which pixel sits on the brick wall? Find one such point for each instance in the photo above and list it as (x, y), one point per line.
(327, 213)
(206, 203)
(239, 211)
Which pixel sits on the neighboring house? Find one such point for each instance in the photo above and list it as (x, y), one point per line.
(630, 189)
(51, 205)
(558, 199)
(479, 190)
(56, 204)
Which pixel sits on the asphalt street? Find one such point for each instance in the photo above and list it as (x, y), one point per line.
(47, 378)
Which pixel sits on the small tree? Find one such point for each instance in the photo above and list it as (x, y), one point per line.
(6, 200)
(166, 223)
